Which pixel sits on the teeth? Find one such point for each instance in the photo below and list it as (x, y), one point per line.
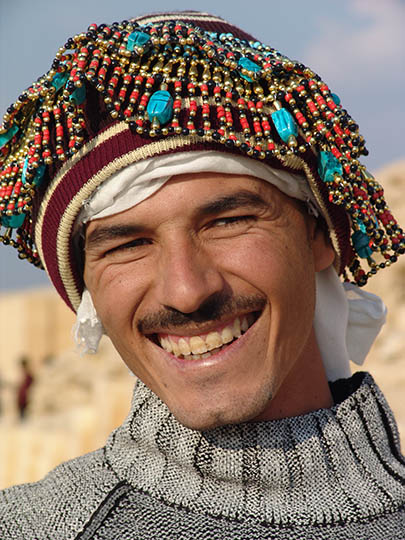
(166, 344)
(184, 347)
(236, 328)
(176, 350)
(213, 340)
(197, 347)
(227, 335)
(244, 325)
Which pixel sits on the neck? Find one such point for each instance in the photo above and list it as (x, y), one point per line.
(305, 389)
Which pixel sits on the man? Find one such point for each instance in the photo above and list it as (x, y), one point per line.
(194, 195)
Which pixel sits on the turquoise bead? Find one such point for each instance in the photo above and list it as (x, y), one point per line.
(8, 135)
(13, 221)
(39, 175)
(245, 63)
(328, 166)
(160, 106)
(284, 124)
(79, 95)
(361, 241)
(60, 80)
(137, 39)
(336, 99)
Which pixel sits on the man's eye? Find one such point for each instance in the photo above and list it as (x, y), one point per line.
(233, 220)
(137, 242)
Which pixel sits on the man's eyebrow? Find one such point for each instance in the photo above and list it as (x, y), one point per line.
(240, 199)
(111, 232)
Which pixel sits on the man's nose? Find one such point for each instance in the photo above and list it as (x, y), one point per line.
(188, 276)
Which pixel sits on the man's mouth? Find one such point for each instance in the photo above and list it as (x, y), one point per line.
(203, 346)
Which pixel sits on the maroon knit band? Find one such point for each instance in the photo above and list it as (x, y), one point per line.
(81, 175)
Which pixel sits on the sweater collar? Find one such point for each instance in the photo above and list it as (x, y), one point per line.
(322, 467)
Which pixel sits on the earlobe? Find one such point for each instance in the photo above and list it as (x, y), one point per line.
(323, 252)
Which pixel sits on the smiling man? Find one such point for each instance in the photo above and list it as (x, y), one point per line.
(198, 197)
(216, 276)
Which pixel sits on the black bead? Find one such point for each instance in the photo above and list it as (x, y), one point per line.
(280, 96)
(200, 132)
(256, 154)
(283, 151)
(170, 130)
(216, 136)
(132, 126)
(185, 131)
(244, 147)
(229, 143)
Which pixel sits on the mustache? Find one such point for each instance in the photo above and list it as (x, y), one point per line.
(213, 309)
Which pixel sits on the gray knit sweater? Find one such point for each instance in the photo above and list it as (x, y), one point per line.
(332, 474)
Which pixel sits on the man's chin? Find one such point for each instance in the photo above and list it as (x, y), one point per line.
(205, 419)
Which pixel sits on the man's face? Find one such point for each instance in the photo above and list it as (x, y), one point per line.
(206, 289)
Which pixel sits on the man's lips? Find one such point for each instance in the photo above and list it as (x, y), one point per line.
(205, 345)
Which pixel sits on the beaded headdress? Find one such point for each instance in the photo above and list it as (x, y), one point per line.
(119, 93)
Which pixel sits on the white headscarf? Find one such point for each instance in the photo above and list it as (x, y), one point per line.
(347, 319)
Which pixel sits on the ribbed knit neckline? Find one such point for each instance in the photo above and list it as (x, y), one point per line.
(330, 466)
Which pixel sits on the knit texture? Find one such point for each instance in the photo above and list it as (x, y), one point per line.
(332, 474)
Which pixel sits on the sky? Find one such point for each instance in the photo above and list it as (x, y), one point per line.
(357, 46)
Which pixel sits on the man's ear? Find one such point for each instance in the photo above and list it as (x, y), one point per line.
(322, 249)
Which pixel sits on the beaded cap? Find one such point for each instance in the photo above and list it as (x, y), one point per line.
(173, 81)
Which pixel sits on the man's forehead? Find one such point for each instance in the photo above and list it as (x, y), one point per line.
(203, 194)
